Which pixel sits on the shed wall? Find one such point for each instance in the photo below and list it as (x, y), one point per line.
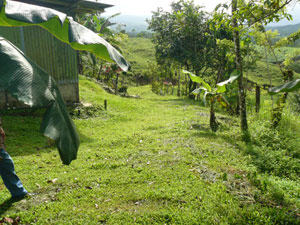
(57, 58)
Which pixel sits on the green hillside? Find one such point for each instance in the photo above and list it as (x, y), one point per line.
(285, 30)
(261, 75)
(139, 52)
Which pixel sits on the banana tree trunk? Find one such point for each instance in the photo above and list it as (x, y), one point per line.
(178, 90)
(213, 121)
(277, 111)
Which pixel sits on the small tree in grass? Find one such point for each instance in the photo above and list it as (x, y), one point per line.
(212, 95)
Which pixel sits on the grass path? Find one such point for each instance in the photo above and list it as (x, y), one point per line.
(143, 161)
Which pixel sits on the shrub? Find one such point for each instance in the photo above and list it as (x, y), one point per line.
(276, 151)
(156, 86)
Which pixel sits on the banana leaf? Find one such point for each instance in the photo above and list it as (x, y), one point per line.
(198, 80)
(30, 84)
(64, 28)
(200, 90)
(222, 100)
(287, 87)
(222, 86)
(233, 76)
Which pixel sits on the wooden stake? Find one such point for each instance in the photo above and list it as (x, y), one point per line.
(257, 98)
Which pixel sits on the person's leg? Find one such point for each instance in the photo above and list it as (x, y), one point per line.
(9, 176)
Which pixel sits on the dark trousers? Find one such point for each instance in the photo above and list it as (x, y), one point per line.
(9, 176)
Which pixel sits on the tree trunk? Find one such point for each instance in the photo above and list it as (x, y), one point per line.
(238, 61)
(178, 90)
(99, 73)
(212, 121)
(116, 84)
(186, 85)
(190, 90)
(122, 81)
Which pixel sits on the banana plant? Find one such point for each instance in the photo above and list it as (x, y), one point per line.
(285, 89)
(30, 84)
(212, 95)
(63, 27)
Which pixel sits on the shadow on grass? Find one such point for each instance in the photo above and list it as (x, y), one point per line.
(274, 161)
(6, 205)
(23, 135)
(200, 127)
(26, 111)
(180, 101)
(33, 146)
(204, 132)
(208, 134)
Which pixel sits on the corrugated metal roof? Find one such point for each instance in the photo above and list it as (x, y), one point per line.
(75, 6)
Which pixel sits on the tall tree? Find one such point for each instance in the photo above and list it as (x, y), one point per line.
(239, 67)
(244, 15)
(183, 36)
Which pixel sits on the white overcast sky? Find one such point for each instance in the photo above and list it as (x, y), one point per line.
(144, 7)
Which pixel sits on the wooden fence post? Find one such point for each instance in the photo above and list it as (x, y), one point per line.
(105, 104)
(178, 90)
(257, 91)
(116, 84)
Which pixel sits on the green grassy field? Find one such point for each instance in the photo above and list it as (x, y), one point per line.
(152, 160)
(262, 74)
(139, 52)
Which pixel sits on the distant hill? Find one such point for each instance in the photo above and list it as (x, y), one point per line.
(137, 23)
(140, 52)
(285, 30)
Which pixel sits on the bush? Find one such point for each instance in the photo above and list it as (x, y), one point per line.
(155, 85)
(294, 102)
(276, 151)
(123, 89)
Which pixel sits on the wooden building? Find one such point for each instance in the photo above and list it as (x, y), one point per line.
(54, 56)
